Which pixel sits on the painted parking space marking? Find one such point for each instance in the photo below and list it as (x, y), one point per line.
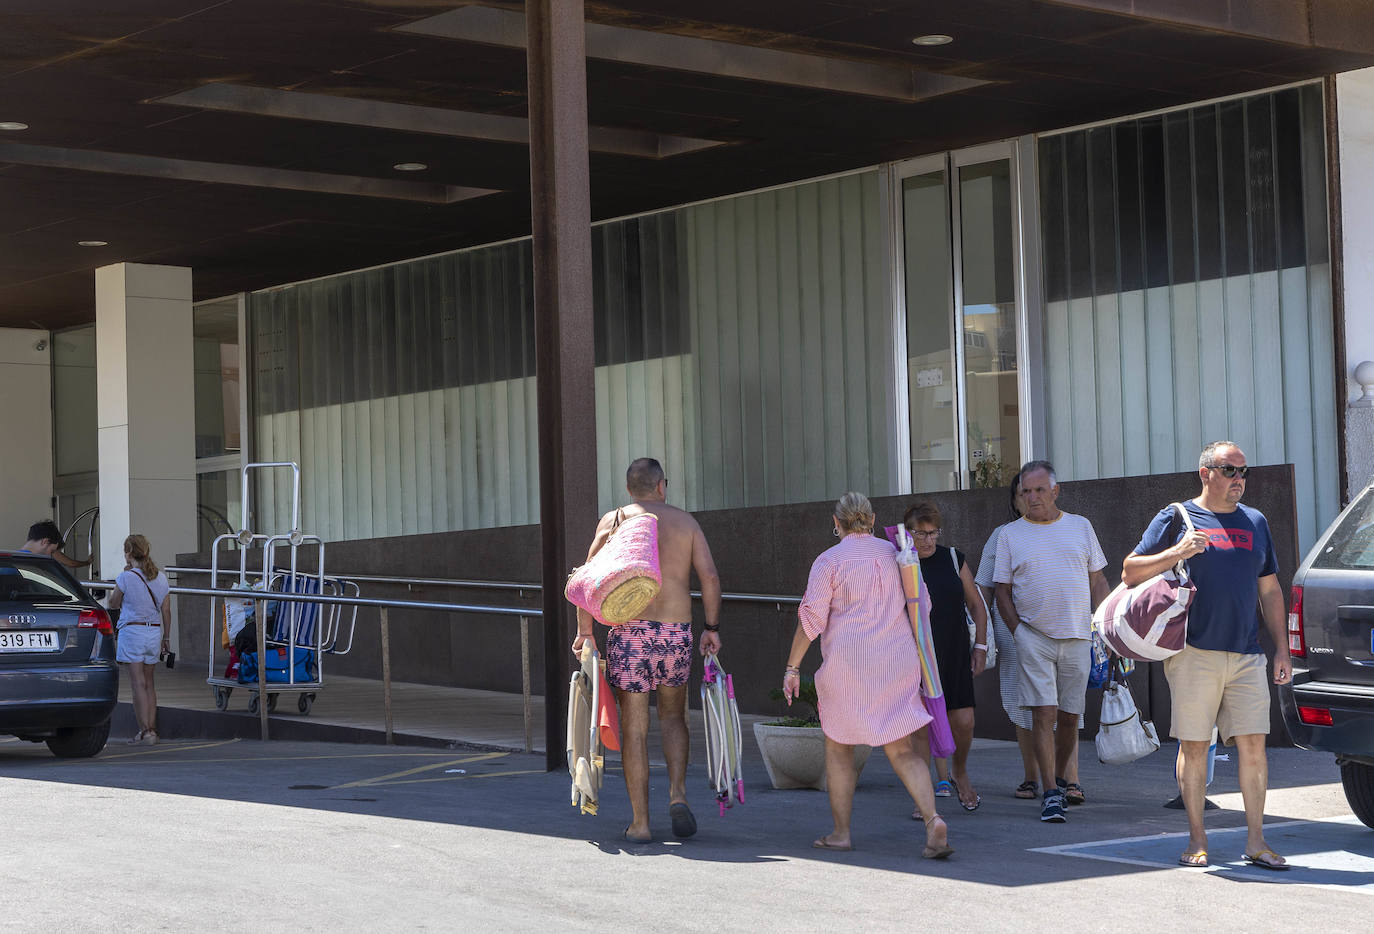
(1337, 853)
(136, 752)
(392, 777)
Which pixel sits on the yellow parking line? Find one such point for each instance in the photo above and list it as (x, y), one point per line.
(161, 748)
(458, 778)
(481, 757)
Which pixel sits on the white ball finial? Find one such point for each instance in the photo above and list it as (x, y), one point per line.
(1364, 375)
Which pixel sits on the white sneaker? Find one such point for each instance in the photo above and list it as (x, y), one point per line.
(150, 738)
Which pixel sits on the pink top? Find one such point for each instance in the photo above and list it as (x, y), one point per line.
(869, 682)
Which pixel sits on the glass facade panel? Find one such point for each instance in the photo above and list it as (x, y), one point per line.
(932, 377)
(746, 343)
(1200, 307)
(215, 336)
(988, 269)
(74, 412)
(219, 506)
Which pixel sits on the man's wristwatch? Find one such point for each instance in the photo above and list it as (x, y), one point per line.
(709, 628)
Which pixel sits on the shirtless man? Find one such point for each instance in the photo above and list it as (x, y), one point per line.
(655, 653)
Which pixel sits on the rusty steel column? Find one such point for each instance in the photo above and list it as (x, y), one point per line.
(560, 204)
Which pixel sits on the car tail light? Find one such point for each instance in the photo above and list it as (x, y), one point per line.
(1297, 645)
(96, 619)
(1315, 716)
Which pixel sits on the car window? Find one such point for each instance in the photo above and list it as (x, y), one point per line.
(1351, 546)
(32, 580)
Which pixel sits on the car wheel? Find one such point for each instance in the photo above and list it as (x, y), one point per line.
(1358, 780)
(79, 742)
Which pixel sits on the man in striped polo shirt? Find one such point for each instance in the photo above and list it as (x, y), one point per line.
(1049, 578)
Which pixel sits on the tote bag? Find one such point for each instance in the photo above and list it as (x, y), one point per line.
(621, 579)
(1123, 736)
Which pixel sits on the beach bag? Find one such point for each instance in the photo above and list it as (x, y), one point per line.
(1123, 736)
(621, 579)
(991, 660)
(1149, 622)
(1100, 671)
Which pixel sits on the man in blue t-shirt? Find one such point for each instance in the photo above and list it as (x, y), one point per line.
(1220, 676)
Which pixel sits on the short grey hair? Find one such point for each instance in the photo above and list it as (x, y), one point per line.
(1032, 466)
(1209, 453)
(643, 476)
(855, 513)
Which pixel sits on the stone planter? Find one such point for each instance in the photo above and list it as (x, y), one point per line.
(795, 755)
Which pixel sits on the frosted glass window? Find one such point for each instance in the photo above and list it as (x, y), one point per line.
(1188, 294)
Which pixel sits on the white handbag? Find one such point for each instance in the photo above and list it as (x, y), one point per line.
(1123, 736)
(991, 661)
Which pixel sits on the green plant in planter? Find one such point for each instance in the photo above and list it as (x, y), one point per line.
(806, 695)
(988, 472)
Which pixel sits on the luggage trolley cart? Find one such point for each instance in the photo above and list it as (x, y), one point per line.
(300, 634)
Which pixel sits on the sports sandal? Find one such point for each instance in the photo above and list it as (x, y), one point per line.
(1027, 790)
(1073, 792)
(943, 789)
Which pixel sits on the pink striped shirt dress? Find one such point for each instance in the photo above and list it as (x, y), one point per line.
(869, 681)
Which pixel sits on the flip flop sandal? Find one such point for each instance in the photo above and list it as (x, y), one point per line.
(1027, 791)
(684, 824)
(943, 851)
(625, 835)
(958, 793)
(1266, 859)
(823, 844)
(1197, 860)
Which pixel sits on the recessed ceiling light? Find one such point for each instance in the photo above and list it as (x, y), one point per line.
(410, 167)
(933, 39)
(92, 243)
(13, 125)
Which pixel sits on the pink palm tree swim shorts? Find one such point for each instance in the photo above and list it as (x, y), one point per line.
(643, 654)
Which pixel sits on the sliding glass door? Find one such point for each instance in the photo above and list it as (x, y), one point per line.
(961, 256)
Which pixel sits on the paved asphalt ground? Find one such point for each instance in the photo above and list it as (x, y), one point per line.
(242, 835)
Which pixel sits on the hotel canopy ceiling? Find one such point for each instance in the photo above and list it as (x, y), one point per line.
(267, 141)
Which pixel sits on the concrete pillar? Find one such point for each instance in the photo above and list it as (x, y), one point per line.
(145, 410)
(26, 426)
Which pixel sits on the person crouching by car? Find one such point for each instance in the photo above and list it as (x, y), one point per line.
(145, 622)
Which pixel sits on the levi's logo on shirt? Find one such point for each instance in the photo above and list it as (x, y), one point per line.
(1228, 539)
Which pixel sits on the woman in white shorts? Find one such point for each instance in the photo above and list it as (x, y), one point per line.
(145, 621)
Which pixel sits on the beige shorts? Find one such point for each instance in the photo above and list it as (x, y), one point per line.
(1051, 672)
(1228, 689)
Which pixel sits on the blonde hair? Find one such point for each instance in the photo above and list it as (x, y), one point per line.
(855, 513)
(137, 548)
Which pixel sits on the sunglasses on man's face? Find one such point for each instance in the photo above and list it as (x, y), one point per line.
(1230, 471)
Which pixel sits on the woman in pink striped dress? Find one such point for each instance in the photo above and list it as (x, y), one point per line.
(869, 682)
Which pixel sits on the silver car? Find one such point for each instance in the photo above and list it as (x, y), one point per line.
(58, 678)
(1330, 704)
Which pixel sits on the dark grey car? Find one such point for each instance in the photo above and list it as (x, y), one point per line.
(1330, 704)
(58, 678)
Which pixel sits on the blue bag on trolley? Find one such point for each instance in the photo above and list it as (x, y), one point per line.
(303, 665)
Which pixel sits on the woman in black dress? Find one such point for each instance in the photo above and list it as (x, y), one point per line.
(952, 591)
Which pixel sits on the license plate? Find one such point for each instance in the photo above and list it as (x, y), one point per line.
(29, 640)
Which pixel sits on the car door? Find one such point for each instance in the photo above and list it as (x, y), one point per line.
(1338, 599)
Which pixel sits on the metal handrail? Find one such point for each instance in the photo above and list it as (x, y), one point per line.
(508, 585)
(262, 597)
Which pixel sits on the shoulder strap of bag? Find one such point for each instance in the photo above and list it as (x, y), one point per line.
(156, 606)
(1182, 510)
